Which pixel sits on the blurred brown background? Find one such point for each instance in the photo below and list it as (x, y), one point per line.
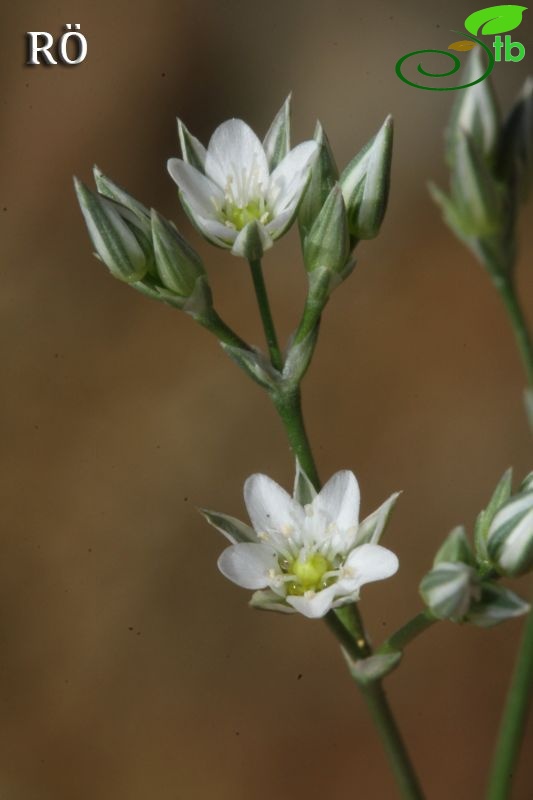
(129, 667)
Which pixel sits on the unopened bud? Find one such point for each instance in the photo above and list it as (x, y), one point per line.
(327, 243)
(365, 184)
(449, 589)
(113, 234)
(324, 175)
(476, 111)
(510, 537)
(178, 266)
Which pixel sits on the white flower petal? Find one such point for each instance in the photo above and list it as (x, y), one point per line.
(269, 506)
(369, 562)
(339, 500)
(235, 153)
(288, 180)
(313, 604)
(277, 226)
(215, 231)
(248, 565)
(201, 194)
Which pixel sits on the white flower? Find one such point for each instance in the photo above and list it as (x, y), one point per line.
(236, 198)
(309, 558)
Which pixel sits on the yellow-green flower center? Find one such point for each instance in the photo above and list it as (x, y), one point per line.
(309, 574)
(238, 217)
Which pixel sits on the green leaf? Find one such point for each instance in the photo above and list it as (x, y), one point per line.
(495, 19)
(233, 529)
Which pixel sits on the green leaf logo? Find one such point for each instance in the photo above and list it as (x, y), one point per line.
(496, 19)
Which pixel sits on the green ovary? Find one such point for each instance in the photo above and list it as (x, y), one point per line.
(238, 218)
(309, 574)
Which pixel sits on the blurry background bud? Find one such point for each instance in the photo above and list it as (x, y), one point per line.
(475, 192)
(177, 265)
(327, 243)
(277, 142)
(475, 112)
(449, 588)
(116, 237)
(515, 158)
(324, 175)
(510, 536)
(455, 549)
(365, 184)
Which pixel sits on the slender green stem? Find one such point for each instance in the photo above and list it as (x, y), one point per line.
(404, 635)
(266, 314)
(223, 332)
(289, 408)
(519, 326)
(380, 712)
(347, 625)
(514, 718)
(519, 694)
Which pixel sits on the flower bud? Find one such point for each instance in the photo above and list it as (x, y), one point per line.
(475, 192)
(324, 175)
(115, 235)
(365, 184)
(178, 266)
(496, 604)
(327, 243)
(455, 549)
(500, 496)
(475, 112)
(449, 588)
(510, 536)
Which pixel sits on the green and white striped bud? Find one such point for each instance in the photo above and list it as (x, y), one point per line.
(365, 184)
(475, 112)
(449, 589)
(475, 192)
(177, 265)
(277, 142)
(324, 176)
(455, 549)
(328, 243)
(496, 604)
(500, 496)
(510, 537)
(116, 234)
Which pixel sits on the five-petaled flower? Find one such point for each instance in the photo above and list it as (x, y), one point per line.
(230, 192)
(308, 558)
